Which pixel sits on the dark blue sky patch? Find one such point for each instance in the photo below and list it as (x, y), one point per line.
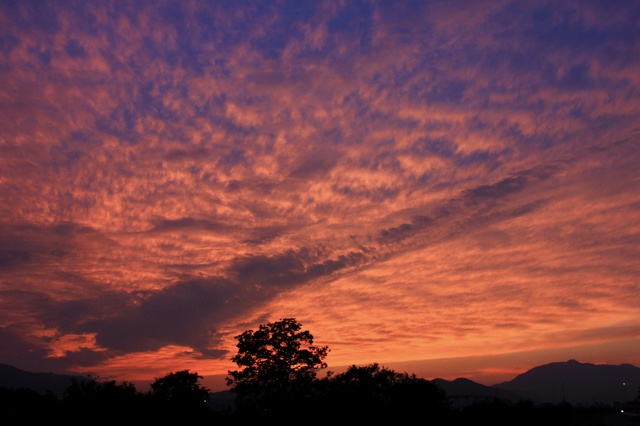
(446, 92)
(8, 41)
(576, 78)
(75, 50)
(121, 123)
(353, 23)
(35, 16)
(43, 54)
(12, 258)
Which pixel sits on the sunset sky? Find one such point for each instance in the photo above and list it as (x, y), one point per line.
(446, 188)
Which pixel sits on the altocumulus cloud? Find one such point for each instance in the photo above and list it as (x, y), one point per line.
(171, 172)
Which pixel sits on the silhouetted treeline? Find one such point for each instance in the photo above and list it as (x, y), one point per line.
(368, 394)
(277, 383)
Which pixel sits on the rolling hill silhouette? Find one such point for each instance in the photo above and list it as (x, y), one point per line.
(577, 383)
(14, 378)
(571, 381)
(463, 392)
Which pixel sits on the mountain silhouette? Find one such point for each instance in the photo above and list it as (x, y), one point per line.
(14, 378)
(571, 381)
(462, 392)
(577, 383)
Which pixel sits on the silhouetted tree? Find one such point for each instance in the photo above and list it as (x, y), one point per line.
(179, 396)
(82, 392)
(108, 400)
(278, 366)
(374, 393)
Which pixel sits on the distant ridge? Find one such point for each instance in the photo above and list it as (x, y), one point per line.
(462, 392)
(571, 381)
(14, 378)
(577, 383)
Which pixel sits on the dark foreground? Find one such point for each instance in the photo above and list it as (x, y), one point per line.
(25, 406)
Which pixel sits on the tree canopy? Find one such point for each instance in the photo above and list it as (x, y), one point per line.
(180, 387)
(373, 392)
(180, 394)
(278, 362)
